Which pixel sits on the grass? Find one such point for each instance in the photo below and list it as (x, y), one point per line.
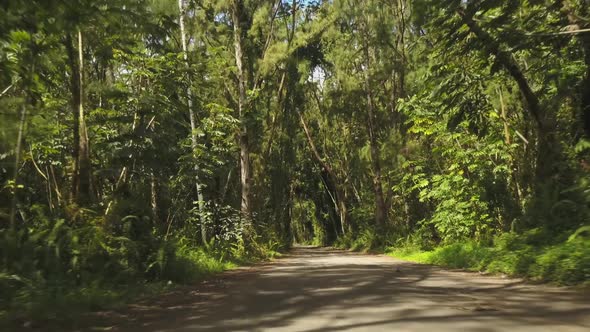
(63, 307)
(62, 303)
(565, 262)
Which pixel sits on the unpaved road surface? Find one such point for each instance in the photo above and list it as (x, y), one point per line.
(315, 289)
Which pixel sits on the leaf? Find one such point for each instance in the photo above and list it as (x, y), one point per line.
(578, 232)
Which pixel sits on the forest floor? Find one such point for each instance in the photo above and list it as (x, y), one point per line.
(318, 289)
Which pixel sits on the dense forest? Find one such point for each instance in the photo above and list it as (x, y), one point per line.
(155, 141)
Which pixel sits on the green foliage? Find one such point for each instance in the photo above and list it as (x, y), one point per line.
(466, 172)
(365, 240)
(307, 228)
(565, 264)
(180, 262)
(57, 266)
(465, 122)
(528, 255)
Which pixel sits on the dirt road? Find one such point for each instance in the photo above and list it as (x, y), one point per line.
(328, 290)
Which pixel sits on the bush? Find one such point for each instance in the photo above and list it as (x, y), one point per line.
(523, 255)
(567, 263)
(51, 266)
(467, 255)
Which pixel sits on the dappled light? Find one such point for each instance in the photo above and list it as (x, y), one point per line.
(315, 289)
(184, 165)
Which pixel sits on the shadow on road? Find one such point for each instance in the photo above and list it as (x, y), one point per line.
(315, 289)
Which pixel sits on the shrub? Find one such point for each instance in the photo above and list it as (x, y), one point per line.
(524, 255)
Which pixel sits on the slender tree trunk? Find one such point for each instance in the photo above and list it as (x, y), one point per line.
(243, 139)
(586, 87)
(513, 179)
(154, 198)
(380, 205)
(578, 23)
(226, 186)
(75, 92)
(548, 150)
(49, 191)
(55, 185)
(193, 122)
(18, 148)
(339, 200)
(85, 166)
(504, 118)
(511, 66)
(82, 172)
(400, 83)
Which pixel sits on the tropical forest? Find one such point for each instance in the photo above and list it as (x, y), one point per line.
(286, 146)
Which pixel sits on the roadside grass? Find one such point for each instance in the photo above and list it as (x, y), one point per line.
(62, 302)
(564, 262)
(56, 306)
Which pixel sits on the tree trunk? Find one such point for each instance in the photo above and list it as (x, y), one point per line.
(339, 200)
(81, 176)
(85, 167)
(400, 83)
(380, 205)
(548, 150)
(75, 91)
(193, 122)
(578, 23)
(511, 66)
(18, 148)
(154, 198)
(586, 87)
(245, 206)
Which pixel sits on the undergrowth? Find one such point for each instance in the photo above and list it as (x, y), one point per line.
(366, 241)
(565, 261)
(53, 270)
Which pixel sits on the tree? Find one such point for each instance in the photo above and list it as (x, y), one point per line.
(193, 120)
(245, 177)
(82, 171)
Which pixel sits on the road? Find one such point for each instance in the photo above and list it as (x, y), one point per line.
(315, 289)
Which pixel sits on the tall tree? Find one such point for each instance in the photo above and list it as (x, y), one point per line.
(82, 170)
(192, 118)
(245, 176)
(381, 209)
